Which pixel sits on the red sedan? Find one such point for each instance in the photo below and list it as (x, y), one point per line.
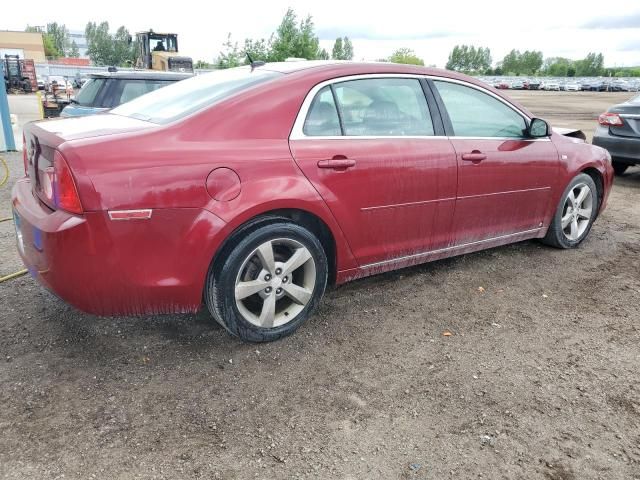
(251, 189)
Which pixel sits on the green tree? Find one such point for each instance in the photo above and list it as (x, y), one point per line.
(347, 49)
(338, 52)
(405, 55)
(106, 49)
(256, 49)
(469, 59)
(74, 52)
(530, 62)
(511, 62)
(60, 36)
(294, 40)
(201, 64)
(230, 56)
(323, 55)
(557, 66)
(591, 66)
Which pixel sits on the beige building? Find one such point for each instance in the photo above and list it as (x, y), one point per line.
(25, 44)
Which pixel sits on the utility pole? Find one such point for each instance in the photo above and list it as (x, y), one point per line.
(7, 142)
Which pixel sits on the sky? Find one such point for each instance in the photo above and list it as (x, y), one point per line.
(566, 28)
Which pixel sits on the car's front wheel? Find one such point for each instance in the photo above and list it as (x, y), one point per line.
(269, 283)
(575, 213)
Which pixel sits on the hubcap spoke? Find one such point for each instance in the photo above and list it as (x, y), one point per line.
(566, 220)
(584, 213)
(246, 289)
(571, 198)
(584, 191)
(265, 254)
(298, 294)
(574, 229)
(300, 257)
(268, 313)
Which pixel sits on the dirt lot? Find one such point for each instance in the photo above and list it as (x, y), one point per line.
(539, 378)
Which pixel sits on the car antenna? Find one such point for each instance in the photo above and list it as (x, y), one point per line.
(254, 63)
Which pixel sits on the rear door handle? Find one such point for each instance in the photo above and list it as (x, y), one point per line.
(474, 156)
(339, 162)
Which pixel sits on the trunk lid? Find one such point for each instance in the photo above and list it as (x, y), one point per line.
(43, 138)
(630, 114)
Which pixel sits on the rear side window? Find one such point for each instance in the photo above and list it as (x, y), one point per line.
(377, 107)
(322, 119)
(477, 114)
(136, 88)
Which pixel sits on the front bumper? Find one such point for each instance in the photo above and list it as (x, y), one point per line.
(110, 267)
(625, 149)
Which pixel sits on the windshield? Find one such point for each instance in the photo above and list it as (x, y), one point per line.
(188, 96)
(635, 100)
(87, 94)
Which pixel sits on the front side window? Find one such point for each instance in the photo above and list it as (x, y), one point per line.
(376, 107)
(477, 114)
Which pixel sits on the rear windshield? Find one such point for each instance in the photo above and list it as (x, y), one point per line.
(87, 94)
(635, 100)
(183, 98)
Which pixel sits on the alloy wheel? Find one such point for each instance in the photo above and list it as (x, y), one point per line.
(577, 211)
(275, 283)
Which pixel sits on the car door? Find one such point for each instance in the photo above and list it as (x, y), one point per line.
(375, 150)
(505, 179)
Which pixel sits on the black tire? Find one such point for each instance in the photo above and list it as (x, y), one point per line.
(555, 236)
(619, 168)
(219, 292)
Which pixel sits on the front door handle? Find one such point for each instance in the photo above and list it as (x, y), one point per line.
(475, 156)
(339, 162)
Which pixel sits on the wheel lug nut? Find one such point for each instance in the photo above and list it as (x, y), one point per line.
(278, 291)
(278, 271)
(285, 279)
(268, 290)
(267, 277)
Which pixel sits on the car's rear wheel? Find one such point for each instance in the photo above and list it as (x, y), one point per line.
(619, 168)
(269, 283)
(575, 213)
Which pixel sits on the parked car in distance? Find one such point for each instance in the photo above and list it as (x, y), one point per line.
(619, 86)
(619, 132)
(503, 85)
(572, 87)
(40, 83)
(253, 188)
(106, 90)
(517, 85)
(533, 85)
(552, 86)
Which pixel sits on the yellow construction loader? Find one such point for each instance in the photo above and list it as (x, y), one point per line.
(159, 51)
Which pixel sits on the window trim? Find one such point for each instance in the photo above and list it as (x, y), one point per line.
(442, 115)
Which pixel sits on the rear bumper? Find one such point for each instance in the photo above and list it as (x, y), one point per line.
(110, 267)
(625, 149)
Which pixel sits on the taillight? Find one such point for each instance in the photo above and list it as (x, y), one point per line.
(64, 191)
(25, 158)
(610, 120)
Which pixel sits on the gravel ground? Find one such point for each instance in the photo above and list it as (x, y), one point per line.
(514, 363)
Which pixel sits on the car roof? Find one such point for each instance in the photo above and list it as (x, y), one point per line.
(141, 75)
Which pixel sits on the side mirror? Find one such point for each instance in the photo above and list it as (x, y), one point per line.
(538, 128)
